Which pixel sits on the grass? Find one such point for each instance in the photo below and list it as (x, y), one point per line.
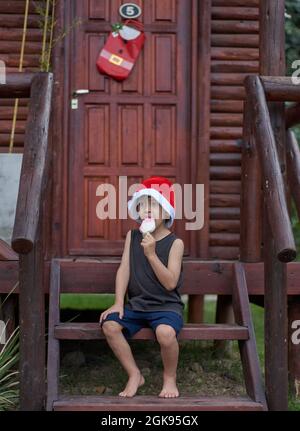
(200, 370)
(9, 380)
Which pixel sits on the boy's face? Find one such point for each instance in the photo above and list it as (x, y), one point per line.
(149, 207)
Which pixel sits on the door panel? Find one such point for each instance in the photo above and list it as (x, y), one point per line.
(137, 128)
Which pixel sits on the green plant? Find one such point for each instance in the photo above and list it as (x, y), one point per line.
(47, 23)
(9, 375)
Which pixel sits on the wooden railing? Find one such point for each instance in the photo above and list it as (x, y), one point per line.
(27, 232)
(266, 231)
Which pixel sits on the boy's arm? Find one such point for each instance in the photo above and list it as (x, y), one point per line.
(168, 276)
(122, 277)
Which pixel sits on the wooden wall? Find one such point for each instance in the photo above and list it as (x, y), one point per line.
(234, 54)
(11, 29)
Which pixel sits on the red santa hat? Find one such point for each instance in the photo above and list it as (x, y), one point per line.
(161, 189)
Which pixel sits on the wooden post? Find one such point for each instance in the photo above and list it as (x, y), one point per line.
(27, 240)
(272, 63)
(251, 196)
(32, 329)
(224, 314)
(196, 302)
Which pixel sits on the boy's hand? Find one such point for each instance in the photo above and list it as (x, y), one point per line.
(113, 309)
(148, 243)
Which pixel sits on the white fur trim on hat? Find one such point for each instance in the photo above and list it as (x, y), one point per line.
(132, 204)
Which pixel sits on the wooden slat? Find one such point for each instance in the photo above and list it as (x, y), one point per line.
(5, 140)
(154, 403)
(225, 172)
(226, 132)
(224, 239)
(17, 20)
(190, 331)
(225, 252)
(5, 126)
(13, 60)
(247, 3)
(236, 54)
(241, 13)
(224, 200)
(18, 7)
(11, 47)
(238, 66)
(234, 106)
(227, 92)
(228, 78)
(220, 213)
(15, 34)
(232, 226)
(235, 40)
(6, 113)
(225, 146)
(226, 119)
(225, 159)
(80, 277)
(240, 27)
(225, 187)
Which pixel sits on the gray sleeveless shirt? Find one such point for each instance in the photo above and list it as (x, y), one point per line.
(145, 292)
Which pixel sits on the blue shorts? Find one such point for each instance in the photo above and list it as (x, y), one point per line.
(132, 320)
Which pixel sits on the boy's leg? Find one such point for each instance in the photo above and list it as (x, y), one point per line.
(122, 350)
(169, 348)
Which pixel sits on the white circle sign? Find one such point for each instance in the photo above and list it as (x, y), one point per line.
(130, 10)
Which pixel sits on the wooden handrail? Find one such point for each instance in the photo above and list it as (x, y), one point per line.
(27, 238)
(17, 85)
(273, 184)
(34, 165)
(280, 89)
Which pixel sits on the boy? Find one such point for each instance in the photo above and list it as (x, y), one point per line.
(151, 268)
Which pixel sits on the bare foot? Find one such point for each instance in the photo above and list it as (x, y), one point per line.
(134, 382)
(169, 389)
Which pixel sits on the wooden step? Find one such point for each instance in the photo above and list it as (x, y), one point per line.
(154, 403)
(190, 331)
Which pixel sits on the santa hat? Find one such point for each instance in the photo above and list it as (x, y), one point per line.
(161, 189)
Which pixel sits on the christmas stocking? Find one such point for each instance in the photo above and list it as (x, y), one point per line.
(121, 50)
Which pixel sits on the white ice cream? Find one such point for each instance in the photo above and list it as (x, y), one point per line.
(148, 225)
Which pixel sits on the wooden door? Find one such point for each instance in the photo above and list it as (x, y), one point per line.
(137, 128)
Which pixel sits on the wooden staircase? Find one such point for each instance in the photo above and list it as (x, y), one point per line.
(241, 330)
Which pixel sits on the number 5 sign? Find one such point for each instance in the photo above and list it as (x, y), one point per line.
(130, 10)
